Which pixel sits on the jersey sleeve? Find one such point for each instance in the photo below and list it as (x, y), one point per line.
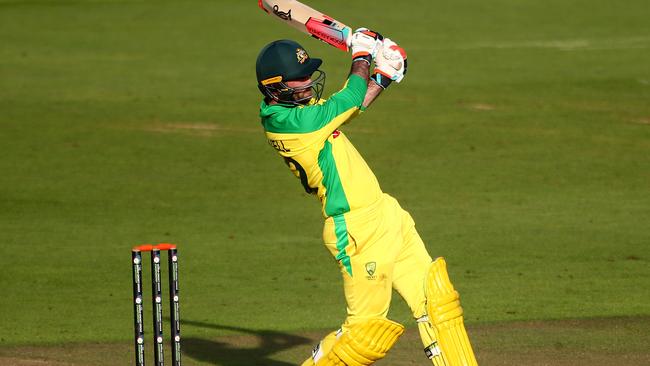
(352, 94)
(339, 108)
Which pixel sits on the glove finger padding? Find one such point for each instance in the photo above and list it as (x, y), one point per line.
(392, 60)
(390, 64)
(398, 54)
(365, 44)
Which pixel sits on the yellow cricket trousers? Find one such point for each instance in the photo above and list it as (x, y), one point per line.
(378, 249)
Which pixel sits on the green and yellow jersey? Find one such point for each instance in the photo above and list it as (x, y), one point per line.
(328, 165)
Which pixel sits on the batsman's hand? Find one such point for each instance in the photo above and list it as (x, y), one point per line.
(390, 63)
(365, 44)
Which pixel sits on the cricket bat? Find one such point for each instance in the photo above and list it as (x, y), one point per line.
(310, 21)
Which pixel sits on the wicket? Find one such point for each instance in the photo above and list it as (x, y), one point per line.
(156, 296)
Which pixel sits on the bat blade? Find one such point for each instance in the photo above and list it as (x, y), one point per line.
(310, 21)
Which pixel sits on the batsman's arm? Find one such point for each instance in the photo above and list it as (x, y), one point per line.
(364, 45)
(372, 93)
(360, 68)
(345, 104)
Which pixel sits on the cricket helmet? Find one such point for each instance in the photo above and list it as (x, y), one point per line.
(286, 60)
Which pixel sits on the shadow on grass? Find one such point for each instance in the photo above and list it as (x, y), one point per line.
(254, 348)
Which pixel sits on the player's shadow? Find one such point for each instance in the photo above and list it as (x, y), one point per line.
(252, 349)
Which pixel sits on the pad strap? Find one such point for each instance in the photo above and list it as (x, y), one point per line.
(429, 336)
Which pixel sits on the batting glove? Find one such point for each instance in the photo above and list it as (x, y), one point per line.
(390, 64)
(365, 44)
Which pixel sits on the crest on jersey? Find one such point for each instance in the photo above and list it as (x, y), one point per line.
(371, 267)
(301, 55)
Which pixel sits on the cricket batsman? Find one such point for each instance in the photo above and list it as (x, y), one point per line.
(371, 237)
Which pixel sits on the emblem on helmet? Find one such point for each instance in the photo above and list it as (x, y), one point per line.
(301, 55)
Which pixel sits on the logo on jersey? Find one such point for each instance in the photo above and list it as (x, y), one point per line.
(301, 55)
(336, 133)
(371, 268)
(278, 145)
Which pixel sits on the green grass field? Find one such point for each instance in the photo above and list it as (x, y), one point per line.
(519, 141)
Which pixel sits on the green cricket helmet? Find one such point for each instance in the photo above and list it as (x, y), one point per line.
(284, 60)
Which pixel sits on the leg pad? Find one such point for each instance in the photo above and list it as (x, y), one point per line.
(363, 344)
(446, 316)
